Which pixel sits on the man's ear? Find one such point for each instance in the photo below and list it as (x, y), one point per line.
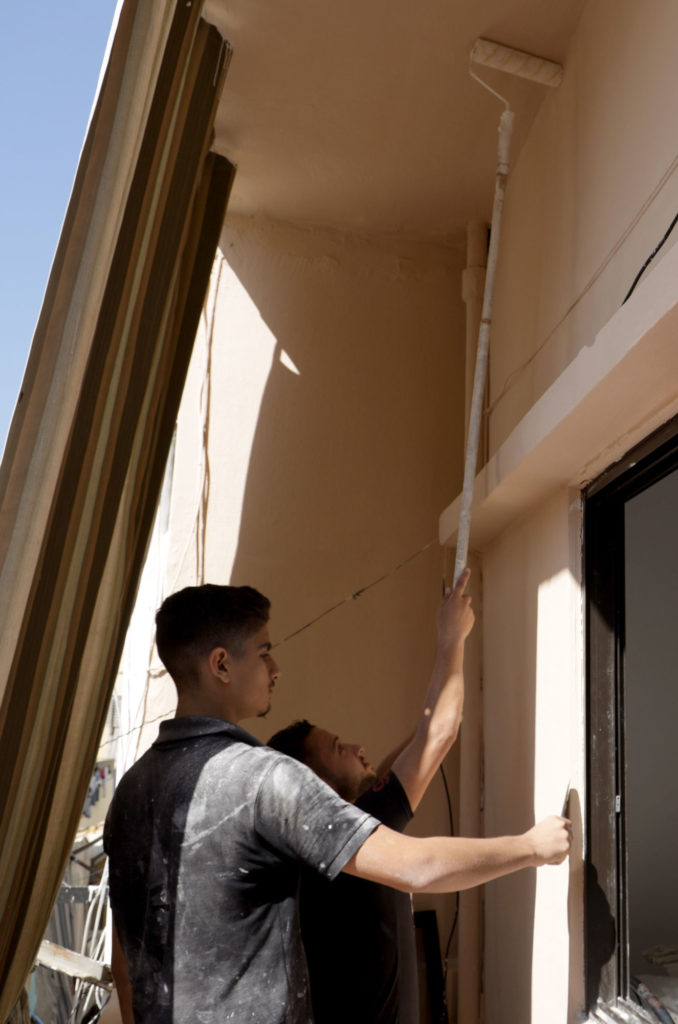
(219, 661)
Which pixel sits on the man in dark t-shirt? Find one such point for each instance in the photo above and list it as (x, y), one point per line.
(359, 937)
(366, 924)
(208, 832)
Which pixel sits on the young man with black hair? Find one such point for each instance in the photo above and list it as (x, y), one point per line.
(207, 833)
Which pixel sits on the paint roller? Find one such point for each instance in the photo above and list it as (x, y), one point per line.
(498, 57)
(493, 55)
(515, 62)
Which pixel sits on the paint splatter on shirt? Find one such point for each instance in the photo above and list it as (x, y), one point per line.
(206, 835)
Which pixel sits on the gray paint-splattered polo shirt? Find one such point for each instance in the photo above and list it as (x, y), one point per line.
(206, 835)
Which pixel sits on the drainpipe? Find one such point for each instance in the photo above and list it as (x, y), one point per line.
(470, 929)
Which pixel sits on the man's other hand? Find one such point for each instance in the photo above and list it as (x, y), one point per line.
(551, 840)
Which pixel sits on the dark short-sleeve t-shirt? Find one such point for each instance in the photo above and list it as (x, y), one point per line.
(206, 835)
(359, 936)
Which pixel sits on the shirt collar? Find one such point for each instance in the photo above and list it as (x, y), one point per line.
(192, 727)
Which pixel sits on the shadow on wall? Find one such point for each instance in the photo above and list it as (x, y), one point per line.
(585, 967)
(357, 449)
(359, 438)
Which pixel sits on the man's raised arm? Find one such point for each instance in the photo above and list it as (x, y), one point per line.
(450, 864)
(417, 763)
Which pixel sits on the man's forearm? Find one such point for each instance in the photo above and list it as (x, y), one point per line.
(387, 763)
(441, 715)
(450, 864)
(444, 700)
(418, 756)
(438, 724)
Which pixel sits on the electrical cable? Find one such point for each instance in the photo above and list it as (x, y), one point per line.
(352, 597)
(650, 258)
(356, 593)
(206, 406)
(453, 926)
(137, 728)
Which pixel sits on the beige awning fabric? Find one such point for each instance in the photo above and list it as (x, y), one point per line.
(88, 443)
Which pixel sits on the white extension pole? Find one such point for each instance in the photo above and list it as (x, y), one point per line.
(503, 150)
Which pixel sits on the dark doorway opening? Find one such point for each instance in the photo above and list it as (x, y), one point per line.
(631, 571)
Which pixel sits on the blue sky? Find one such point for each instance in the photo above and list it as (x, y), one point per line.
(50, 57)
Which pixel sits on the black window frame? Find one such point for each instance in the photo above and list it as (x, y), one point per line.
(606, 902)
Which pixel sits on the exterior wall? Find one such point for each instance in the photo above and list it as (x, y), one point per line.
(533, 706)
(333, 364)
(592, 192)
(319, 435)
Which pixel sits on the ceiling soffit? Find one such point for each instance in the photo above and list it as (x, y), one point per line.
(363, 117)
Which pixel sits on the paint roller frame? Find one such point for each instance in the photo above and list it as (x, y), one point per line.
(499, 57)
(488, 53)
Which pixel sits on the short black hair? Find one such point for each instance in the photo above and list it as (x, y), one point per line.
(291, 740)
(195, 620)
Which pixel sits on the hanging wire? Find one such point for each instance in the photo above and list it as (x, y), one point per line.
(138, 728)
(206, 402)
(453, 926)
(356, 593)
(351, 597)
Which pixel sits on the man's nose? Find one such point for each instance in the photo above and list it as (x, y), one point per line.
(274, 670)
(357, 749)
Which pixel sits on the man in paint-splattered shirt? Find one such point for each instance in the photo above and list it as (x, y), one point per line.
(207, 831)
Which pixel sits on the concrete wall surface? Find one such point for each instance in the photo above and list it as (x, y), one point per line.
(591, 194)
(319, 435)
(533, 710)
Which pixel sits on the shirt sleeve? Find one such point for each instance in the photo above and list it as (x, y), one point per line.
(302, 817)
(387, 801)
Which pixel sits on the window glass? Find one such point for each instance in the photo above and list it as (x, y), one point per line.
(651, 724)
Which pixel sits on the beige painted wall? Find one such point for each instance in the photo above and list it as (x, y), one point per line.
(328, 383)
(533, 704)
(330, 400)
(347, 355)
(591, 194)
